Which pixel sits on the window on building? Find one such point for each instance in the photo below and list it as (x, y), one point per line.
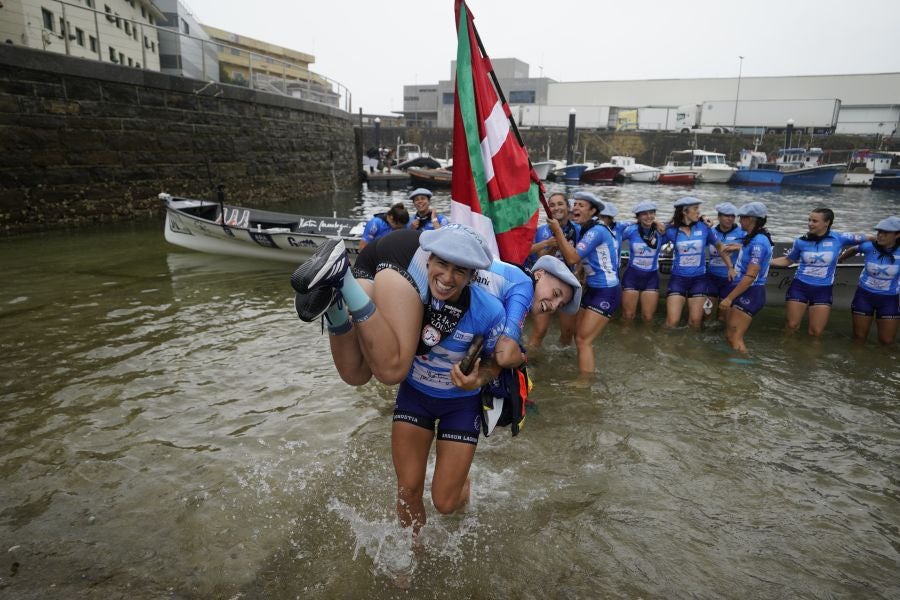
(521, 97)
(185, 27)
(169, 61)
(112, 54)
(109, 15)
(79, 37)
(137, 64)
(151, 19)
(48, 19)
(235, 52)
(410, 98)
(62, 26)
(127, 28)
(121, 58)
(152, 46)
(143, 11)
(130, 62)
(448, 98)
(92, 41)
(134, 33)
(146, 42)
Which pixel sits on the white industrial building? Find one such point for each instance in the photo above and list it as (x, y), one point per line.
(869, 103)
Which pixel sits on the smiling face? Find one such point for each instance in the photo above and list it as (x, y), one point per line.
(559, 208)
(583, 211)
(447, 280)
(646, 218)
(817, 223)
(422, 203)
(550, 293)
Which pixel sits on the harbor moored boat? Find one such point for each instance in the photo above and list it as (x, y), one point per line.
(802, 167)
(429, 177)
(605, 173)
(677, 178)
(754, 169)
(862, 168)
(709, 167)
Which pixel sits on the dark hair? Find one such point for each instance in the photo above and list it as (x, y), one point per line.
(398, 213)
(678, 216)
(758, 227)
(827, 213)
(550, 197)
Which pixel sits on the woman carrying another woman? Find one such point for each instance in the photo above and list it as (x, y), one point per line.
(435, 393)
(597, 251)
(747, 295)
(878, 292)
(640, 281)
(687, 283)
(817, 253)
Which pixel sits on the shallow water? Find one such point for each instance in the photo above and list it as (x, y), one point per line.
(169, 429)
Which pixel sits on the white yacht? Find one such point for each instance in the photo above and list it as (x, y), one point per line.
(710, 167)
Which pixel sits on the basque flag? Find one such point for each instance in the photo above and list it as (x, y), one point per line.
(494, 188)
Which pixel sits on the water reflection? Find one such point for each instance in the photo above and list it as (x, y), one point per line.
(170, 429)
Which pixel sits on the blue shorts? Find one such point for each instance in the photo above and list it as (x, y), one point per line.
(603, 301)
(680, 285)
(751, 301)
(814, 295)
(459, 418)
(882, 306)
(636, 280)
(717, 286)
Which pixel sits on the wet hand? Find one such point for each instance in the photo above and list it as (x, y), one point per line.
(468, 382)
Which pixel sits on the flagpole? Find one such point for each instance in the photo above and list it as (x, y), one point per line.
(512, 121)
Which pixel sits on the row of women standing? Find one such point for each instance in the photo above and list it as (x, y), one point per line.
(589, 239)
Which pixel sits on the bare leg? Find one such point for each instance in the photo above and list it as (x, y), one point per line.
(818, 319)
(695, 311)
(590, 325)
(737, 325)
(794, 312)
(409, 449)
(649, 304)
(674, 305)
(539, 325)
(887, 330)
(629, 304)
(388, 339)
(567, 328)
(861, 326)
(450, 486)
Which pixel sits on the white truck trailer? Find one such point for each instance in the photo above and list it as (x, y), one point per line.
(819, 115)
(535, 115)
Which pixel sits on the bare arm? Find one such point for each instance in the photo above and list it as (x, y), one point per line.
(570, 255)
(480, 376)
(781, 261)
(742, 286)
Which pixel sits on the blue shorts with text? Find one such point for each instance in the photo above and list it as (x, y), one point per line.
(680, 285)
(459, 419)
(603, 301)
(882, 306)
(814, 295)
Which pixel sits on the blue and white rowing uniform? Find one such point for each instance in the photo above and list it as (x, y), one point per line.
(599, 254)
(641, 255)
(543, 233)
(689, 258)
(430, 373)
(757, 252)
(425, 222)
(376, 227)
(515, 290)
(881, 272)
(716, 272)
(818, 258)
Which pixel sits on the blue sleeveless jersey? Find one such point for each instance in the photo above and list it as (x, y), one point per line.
(757, 252)
(515, 290)
(430, 374)
(716, 265)
(599, 254)
(689, 259)
(376, 228)
(880, 274)
(641, 256)
(818, 259)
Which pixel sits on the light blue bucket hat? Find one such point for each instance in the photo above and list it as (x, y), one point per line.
(457, 244)
(558, 269)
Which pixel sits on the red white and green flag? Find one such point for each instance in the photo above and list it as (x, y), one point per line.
(494, 188)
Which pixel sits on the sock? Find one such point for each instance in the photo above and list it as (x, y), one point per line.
(359, 303)
(338, 321)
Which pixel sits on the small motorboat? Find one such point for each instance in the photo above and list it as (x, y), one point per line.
(429, 177)
(604, 173)
(678, 178)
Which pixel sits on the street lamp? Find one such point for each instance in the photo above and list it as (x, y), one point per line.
(378, 133)
(571, 141)
(737, 97)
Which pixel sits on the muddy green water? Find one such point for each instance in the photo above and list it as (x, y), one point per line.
(169, 429)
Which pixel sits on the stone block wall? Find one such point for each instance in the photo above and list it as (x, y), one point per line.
(84, 142)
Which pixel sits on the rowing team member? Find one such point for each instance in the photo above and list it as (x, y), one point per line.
(417, 302)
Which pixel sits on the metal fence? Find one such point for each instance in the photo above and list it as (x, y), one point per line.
(76, 31)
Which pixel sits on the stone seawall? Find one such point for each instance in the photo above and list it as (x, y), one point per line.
(84, 142)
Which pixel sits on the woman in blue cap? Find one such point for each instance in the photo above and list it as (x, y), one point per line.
(545, 244)
(426, 217)
(730, 234)
(747, 293)
(383, 223)
(435, 395)
(878, 293)
(817, 253)
(640, 281)
(598, 253)
(690, 236)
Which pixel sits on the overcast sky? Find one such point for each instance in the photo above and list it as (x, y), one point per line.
(375, 48)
